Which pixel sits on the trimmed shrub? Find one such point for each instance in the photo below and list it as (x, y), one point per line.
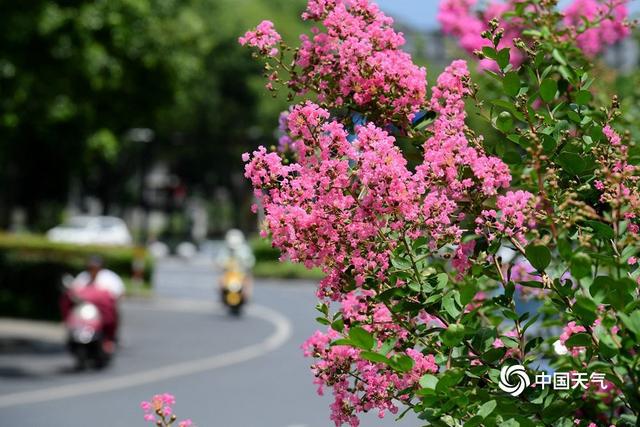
(31, 269)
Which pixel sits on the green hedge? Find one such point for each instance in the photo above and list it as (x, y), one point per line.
(262, 249)
(269, 266)
(31, 269)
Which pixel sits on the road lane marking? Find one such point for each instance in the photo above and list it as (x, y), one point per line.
(282, 333)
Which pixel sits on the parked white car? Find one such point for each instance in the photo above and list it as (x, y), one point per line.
(92, 230)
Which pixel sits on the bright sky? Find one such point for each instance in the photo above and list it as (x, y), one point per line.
(422, 13)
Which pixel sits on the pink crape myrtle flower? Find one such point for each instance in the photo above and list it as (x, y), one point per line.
(363, 176)
(377, 382)
(513, 219)
(570, 329)
(265, 38)
(611, 30)
(159, 410)
(338, 187)
(463, 20)
(359, 50)
(618, 180)
(160, 404)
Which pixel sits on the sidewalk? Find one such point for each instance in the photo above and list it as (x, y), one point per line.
(12, 330)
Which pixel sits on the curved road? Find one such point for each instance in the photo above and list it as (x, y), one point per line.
(225, 372)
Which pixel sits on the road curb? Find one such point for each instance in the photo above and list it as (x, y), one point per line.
(31, 330)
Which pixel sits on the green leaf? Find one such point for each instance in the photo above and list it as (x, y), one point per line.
(429, 381)
(532, 284)
(601, 287)
(539, 256)
(403, 363)
(374, 357)
(533, 343)
(555, 410)
(579, 340)
(601, 230)
(503, 58)
(548, 89)
(338, 325)
(387, 346)
(474, 421)
(494, 354)
(511, 83)
(531, 321)
(361, 338)
(467, 292)
(449, 304)
(618, 293)
(504, 122)
(449, 379)
(567, 73)
(572, 163)
(581, 265)
(401, 263)
(583, 97)
(489, 52)
(323, 308)
(510, 314)
(573, 116)
(585, 309)
(487, 408)
(559, 57)
(453, 335)
(322, 320)
(632, 322)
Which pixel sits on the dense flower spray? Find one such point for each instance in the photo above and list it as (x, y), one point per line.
(427, 231)
(592, 24)
(159, 411)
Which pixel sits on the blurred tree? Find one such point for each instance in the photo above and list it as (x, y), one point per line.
(76, 75)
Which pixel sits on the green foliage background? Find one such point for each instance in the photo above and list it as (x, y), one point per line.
(76, 75)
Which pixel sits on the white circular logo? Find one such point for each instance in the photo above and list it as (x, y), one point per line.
(516, 373)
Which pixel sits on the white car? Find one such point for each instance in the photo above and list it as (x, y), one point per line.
(92, 230)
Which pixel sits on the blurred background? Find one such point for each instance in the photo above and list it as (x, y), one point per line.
(122, 123)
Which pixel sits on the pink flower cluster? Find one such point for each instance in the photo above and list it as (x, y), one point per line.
(160, 404)
(337, 202)
(367, 181)
(357, 62)
(376, 385)
(570, 329)
(342, 196)
(265, 38)
(448, 151)
(618, 179)
(305, 201)
(463, 20)
(513, 219)
(611, 29)
(160, 408)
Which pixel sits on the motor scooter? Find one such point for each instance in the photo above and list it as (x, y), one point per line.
(233, 286)
(85, 324)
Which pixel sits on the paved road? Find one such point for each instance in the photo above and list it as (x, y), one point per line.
(225, 372)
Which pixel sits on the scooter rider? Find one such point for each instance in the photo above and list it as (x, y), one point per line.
(98, 281)
(236, 254)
